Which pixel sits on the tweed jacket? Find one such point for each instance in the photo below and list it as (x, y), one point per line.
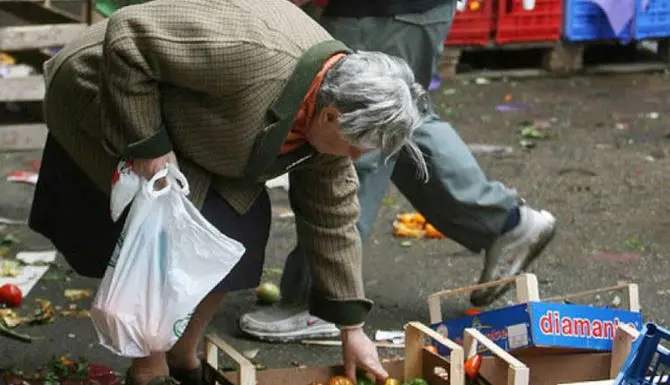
(219, 82)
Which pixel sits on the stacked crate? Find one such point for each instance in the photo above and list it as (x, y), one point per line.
(498, 22)
(586, 21)
(40, 29)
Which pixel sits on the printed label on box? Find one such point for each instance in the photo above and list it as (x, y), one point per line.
(579, 326)
(517, 335)
(543, 324)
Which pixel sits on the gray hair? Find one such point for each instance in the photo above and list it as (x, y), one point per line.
(380, 103)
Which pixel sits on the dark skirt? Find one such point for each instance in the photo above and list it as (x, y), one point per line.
(73, 213)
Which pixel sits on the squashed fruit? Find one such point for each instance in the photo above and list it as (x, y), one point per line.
(414, 225)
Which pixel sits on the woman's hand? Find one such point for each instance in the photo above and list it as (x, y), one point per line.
(360, 352)
(148, 167)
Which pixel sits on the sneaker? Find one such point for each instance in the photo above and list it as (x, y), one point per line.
(278, 324)
(514, 251)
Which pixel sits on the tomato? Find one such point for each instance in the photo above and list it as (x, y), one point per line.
(472, 366)
(472, 311)
(431, 348)
(391, 381)
(339, 380)
(10, 295)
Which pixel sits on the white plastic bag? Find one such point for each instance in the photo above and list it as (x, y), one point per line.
(167, 259)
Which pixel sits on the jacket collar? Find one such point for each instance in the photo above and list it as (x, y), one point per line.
(282, 113)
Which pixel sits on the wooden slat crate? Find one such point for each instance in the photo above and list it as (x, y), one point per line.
(43, 27)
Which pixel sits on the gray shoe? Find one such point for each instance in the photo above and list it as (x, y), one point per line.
(514, 251)
(279, 324)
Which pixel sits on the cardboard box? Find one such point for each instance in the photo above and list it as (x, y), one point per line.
(543, 324)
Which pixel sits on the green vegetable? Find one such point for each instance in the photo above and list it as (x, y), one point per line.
(4, 331)
(417, 381)
(364, 381)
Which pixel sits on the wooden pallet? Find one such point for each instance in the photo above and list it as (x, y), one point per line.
(43, 27)
(558, 58)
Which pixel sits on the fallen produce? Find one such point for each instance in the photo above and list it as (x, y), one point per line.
(5, 332)
(414, 225)
(268, 293)
(10, 295)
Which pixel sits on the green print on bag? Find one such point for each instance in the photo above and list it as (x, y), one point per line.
(180, 325)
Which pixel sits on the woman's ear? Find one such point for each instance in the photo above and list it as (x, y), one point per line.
(330, 114)
(326, 116)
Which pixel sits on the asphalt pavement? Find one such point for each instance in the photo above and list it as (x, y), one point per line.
(603, 171)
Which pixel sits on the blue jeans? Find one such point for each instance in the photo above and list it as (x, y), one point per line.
(472, 210)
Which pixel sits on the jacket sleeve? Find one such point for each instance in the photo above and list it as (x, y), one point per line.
(323, 197)
(129, 91)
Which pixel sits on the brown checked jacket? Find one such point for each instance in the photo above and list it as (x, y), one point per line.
(219, 82)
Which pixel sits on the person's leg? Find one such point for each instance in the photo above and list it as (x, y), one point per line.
(291, 321)
(184, 354)
(252, 229)
(475, 212)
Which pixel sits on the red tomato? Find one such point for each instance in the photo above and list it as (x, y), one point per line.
(10, 295)
(472, 311)
(472, 366)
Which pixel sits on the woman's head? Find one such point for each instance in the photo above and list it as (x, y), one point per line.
(369, 100)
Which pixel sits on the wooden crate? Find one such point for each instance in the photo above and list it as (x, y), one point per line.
(418, 362)
(540, 367)
(548, 366)
(43, 27)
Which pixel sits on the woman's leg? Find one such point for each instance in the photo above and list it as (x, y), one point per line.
(143, 370)
(184, 354)
(252, 229)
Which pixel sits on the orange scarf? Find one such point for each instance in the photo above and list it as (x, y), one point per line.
(303, 119)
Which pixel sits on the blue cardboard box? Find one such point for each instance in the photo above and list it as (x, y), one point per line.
(543, 324)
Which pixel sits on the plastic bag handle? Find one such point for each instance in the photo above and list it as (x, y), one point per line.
(149, 187)
(180, 179)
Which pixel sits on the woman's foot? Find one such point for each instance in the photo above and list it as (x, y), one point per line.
(158, 380)
(185, 367)
(195, 376)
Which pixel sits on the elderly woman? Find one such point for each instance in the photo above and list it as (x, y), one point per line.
(236, 92)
